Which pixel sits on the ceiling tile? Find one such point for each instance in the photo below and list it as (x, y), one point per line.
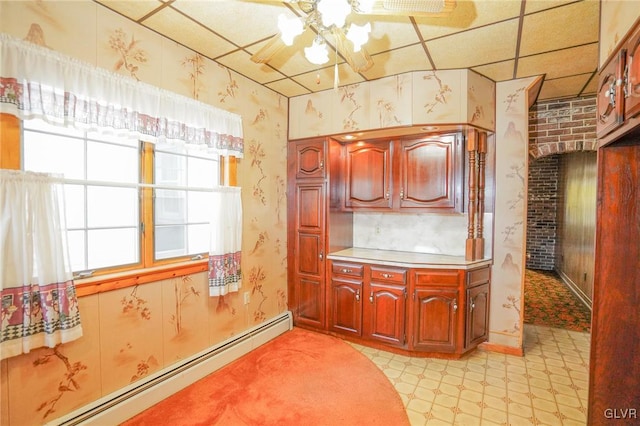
(563, 87)
(499, 71)
(577, 60)
(322, 79)
(467, 15)
(132, 9)
(566, 26)
(258, 72)
(183, 30)
(532, 6)
(388, 32)
(222, 17)
(493, 43)
(288, 88)
(411, 58)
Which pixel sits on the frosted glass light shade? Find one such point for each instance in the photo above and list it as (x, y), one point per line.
(334, 12)
(358, 34)
(317, 53)
(290, 28)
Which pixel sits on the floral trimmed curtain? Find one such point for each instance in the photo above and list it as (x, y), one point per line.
(39, 303)
(37, 82)
(225, 274)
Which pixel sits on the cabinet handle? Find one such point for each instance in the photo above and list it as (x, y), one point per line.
(321, 256)
(473, 305)
(346, 271)
(387, 195)
(455, 306)
(387, 275)
(371, 298)
(402, 193)
(321, 164)
(358, 295)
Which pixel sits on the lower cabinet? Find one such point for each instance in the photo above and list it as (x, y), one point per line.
(418, 310)
(368, 302)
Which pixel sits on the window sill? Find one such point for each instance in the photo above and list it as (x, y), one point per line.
(104, 283)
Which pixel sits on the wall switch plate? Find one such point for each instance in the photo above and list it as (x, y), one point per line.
(247, 297)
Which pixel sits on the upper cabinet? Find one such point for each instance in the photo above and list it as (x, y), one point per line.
(619, 88)
(309, 159)
(405, 174)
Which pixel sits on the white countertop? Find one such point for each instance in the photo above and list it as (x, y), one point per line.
(406, 259)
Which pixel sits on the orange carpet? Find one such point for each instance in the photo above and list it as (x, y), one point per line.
(299, 378)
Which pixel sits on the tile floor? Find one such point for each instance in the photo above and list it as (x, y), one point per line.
(548, 386)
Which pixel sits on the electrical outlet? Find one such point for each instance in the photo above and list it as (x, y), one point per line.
(247, 298)
(377, 230)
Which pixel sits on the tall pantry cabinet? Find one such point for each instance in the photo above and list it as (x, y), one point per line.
(312, 169)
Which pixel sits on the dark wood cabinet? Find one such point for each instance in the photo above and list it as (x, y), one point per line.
(368, 176)
(610, 96)
(368, 301)
(435, 319)
(431, 172)
(632, 75)
(477, 324)
(309, 159)
(309, 246)
(417, 174)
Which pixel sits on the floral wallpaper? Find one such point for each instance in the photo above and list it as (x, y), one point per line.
(132, 332)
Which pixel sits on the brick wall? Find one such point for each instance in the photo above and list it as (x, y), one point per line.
(563, 125)
(541, 212)
(555, 127)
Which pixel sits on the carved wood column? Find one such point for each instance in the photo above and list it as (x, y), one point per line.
(472, 148)
(482, 154)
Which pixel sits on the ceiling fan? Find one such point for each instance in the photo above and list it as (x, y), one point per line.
(329, 17)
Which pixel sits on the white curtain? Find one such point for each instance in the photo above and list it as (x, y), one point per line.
(225, 274)
(39, 303)
(37, 82)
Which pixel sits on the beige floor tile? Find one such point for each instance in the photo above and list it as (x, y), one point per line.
(464, 419)
(443, 412)
(493, 415)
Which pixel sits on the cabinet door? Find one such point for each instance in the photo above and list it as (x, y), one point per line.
(368, 175)
(435, 319)
(309, 287)
(309, 159)
(610, 99)
(385, 313)
(430, 172)
(477, 327)
(346, 309)
(632, 88)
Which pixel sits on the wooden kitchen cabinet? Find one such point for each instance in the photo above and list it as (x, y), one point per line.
(408, 174)
(368, 301)
(610, 96)
(309, 159)
(436, 318)
(632, 75)
(477, 300)
(368, 176)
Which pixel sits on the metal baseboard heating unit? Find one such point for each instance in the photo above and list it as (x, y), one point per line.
(133, 399)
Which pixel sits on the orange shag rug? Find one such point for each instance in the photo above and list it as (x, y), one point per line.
(299, 378)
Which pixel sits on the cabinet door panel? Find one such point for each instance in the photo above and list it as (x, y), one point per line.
(435, 319)
(430, 173)
(310, 298)
(632, 90)
(385, 313)
(477, 328)
(309, 254)
(346, 309)
(610, 100)
(368, 175)
(310, 214)
(309, 159)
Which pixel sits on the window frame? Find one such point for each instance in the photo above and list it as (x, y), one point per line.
(148, 269)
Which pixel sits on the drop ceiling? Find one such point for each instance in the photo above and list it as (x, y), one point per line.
(500, 39)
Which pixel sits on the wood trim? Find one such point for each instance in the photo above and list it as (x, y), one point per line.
(104, 283)
(9, 142)
(146, 204)
(502, 349)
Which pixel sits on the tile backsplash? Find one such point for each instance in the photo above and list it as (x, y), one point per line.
(419, 232)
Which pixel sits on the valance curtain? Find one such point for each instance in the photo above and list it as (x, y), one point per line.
(37, 82)
(225, 274)
(39, 303)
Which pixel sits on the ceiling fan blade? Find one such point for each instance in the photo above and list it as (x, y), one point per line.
(358, 61)
(430, 8)
(269, 50)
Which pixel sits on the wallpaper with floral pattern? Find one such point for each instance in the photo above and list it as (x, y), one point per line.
(132, 332)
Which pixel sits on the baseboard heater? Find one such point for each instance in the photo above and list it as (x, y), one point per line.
(131, 400)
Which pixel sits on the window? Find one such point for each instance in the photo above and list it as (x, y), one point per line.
(107, 211)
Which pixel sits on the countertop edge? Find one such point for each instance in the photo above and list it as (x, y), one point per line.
(466, 265)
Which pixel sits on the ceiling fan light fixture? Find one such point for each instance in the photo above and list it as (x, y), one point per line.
(363, 6)
(359, 35)
(334, 12)
(317, 53)
(289, 28)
